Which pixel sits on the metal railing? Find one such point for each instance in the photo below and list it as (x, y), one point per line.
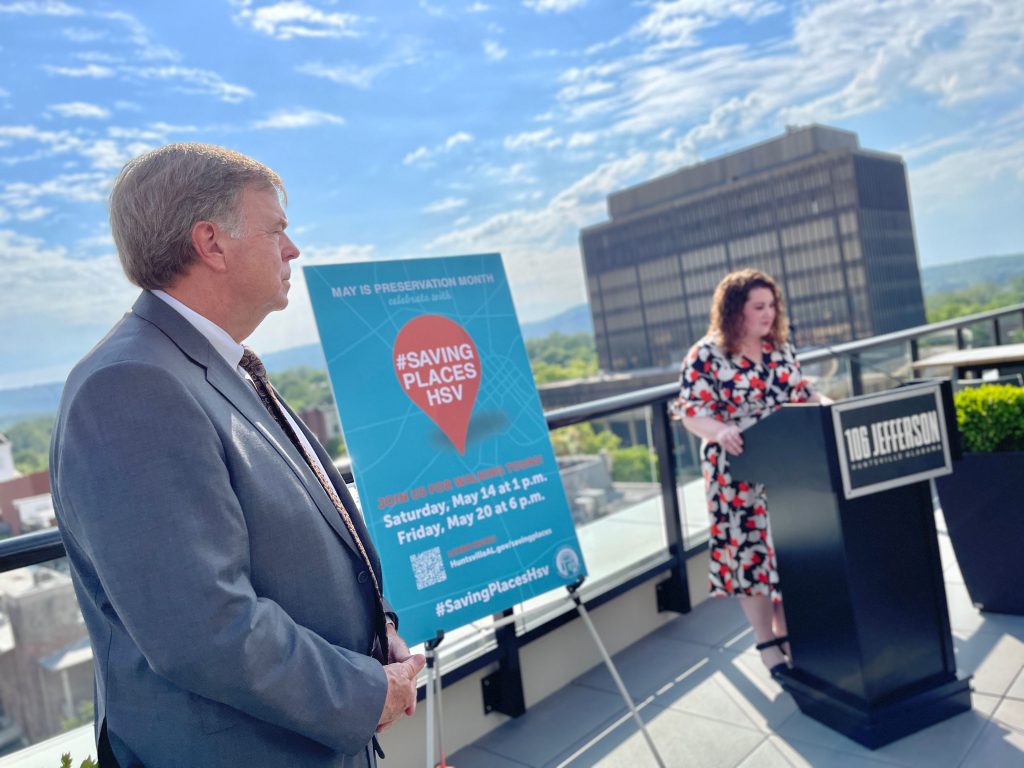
(673, 592)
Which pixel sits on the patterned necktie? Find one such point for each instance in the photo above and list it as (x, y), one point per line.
(252, 365)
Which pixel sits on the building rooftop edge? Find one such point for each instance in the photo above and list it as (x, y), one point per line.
(795, 145)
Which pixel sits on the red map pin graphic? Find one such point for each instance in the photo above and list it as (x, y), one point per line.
(438, 367)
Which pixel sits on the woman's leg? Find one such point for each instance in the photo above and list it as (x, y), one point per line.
(779, 625)
(760, 613)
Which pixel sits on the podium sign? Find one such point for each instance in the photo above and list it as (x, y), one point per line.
(893, 439)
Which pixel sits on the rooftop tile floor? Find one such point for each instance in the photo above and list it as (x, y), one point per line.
(709, 703)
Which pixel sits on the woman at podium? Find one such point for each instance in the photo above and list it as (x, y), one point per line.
(740, 372)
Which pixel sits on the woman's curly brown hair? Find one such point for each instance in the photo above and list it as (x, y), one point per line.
(727, 309)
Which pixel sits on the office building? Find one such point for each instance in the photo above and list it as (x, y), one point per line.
(831, 222)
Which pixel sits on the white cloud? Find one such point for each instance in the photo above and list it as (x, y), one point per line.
(40, 279)
(80, 109)
(107, 154)
(195, 81)
(845, 58)
(582, 139)
(457, 138)
(138, 35)
(154, 133)
(675, 24)
(287, 20)
(361, 77)
(91, 70)
(954, 177)
(83, 34)
(75, 187)
(423, 155)
(544, 138)
(299, 118)
(553, 6)
(420, 154)
(103, 241)
(33, 214)
(517, 174)
(98, 56)
(434, 10)
(478, 8)
(446, 204)
(539, 245)
(494, 51)
(56, 141)
(41, 8)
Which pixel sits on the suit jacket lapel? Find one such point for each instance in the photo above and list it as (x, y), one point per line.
(244, 398)
(342, 488)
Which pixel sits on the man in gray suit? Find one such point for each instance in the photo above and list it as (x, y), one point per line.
(230, 589)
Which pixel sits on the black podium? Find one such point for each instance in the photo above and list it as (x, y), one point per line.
(854, 530)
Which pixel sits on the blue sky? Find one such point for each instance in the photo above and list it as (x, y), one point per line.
(406, 129)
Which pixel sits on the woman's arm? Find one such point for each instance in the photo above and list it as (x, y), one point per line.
(821, 399)
(715, 431)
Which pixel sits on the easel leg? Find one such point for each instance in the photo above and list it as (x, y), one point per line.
(440, 710)
(430, 704)
(434, 689)
(574, 594)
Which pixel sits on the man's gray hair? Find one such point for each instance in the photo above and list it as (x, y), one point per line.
(159, 196)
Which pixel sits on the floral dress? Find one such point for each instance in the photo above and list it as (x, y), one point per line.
(734, 388)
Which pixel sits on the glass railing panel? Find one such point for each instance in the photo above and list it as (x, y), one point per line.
(610, 474)
(1011, 328)
(978, 334)
(46, 679)
(689, 486)
(830, 376)
(885, 367)
(936, 343)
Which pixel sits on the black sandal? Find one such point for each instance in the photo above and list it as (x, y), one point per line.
(775, 641)
(776, 670)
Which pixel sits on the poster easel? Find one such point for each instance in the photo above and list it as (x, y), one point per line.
(434, 682)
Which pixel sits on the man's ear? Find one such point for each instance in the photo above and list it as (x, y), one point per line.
(208, 240)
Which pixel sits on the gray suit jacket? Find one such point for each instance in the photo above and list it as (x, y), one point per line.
(230, 613)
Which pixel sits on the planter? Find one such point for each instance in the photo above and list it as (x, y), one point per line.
(981, 502)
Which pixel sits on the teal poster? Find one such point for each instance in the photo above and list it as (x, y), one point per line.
(450, 450)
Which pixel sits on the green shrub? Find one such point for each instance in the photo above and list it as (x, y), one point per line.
(634, 464)
(991, 418)
(65, 761)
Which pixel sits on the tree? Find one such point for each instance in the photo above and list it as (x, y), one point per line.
(304, 387)
(634, 464)
(979, 297)
(583, 438)
(85, 715)
(559, 356)
(30, 443)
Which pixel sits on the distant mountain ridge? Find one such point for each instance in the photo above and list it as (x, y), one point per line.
(572, 321)
(23, 402)
(997, 270)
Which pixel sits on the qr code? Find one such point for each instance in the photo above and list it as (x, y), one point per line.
(428, 568)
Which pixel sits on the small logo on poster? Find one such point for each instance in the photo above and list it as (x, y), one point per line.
(567, 562)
